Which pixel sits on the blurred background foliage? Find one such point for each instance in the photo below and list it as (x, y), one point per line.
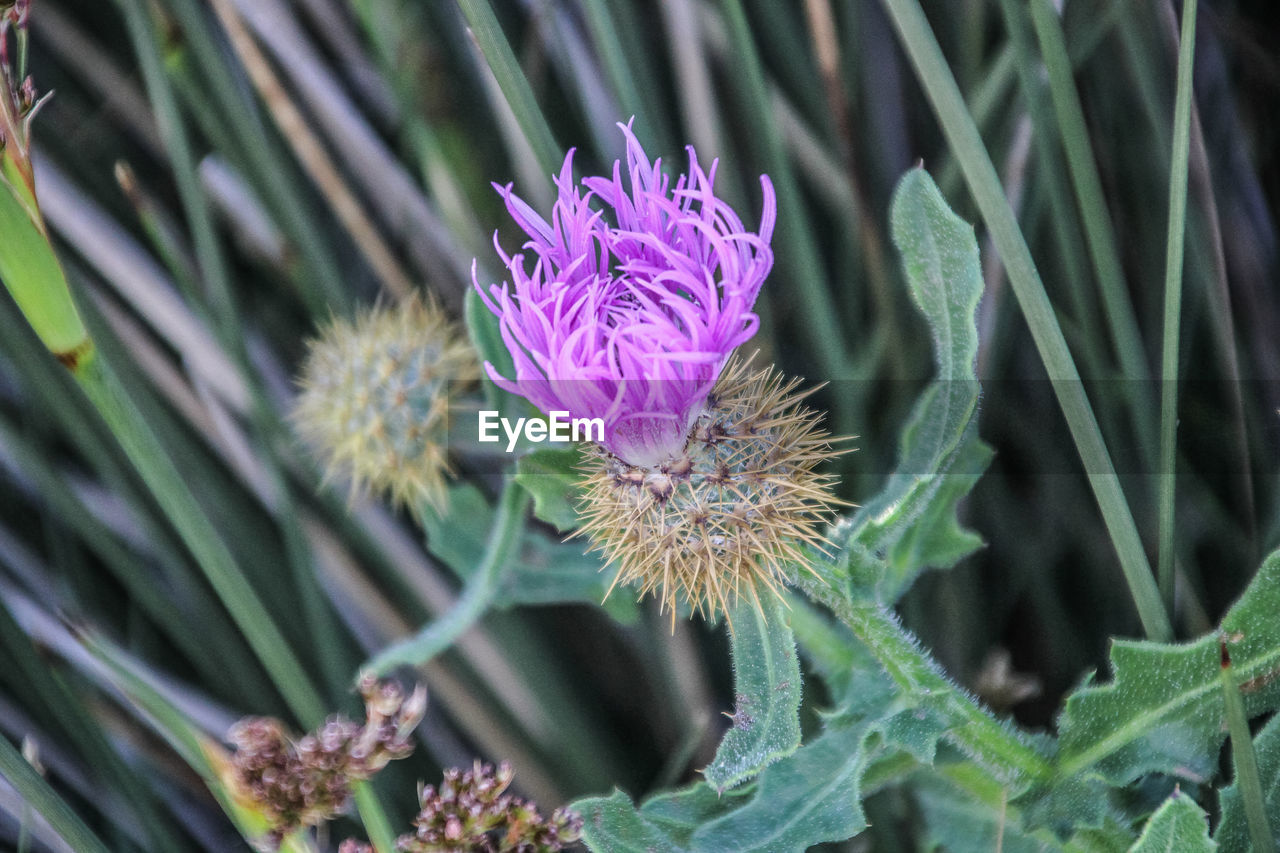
(222, 175)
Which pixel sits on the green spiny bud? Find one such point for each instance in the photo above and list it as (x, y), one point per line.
(375, 398)
(727, 515)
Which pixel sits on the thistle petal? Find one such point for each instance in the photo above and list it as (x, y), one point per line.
(630, 311)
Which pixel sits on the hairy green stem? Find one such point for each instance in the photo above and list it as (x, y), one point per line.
(1173, 299)
(975, 162)
(504, 537)
(1247, 777)
(993, 744)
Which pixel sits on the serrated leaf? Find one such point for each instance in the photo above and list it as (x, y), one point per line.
(614, 824)
(910, 526)
(766, 679)
(810, 798)
(1232, 834)
(1163, 711)
(1178, 826)
(547, 571)
(551, 475)
(807, 798)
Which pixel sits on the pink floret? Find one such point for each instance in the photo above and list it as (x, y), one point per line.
(630, 310)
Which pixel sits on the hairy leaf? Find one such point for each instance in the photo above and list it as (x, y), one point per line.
(1178, 826)
(1163, 710)
(550, 474)
(964, 813)
(546, 572)
(766, 677)
(911, 525)
(807, 798)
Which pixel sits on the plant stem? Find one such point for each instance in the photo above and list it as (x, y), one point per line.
(373, 818)
(958, 126)
(508, 529)
(1247, 778)
(993, 744)
(1173, 299)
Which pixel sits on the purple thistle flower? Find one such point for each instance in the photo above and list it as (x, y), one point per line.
(630, 312)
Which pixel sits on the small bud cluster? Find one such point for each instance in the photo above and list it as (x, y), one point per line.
(375, 398)
(472, 813)
(730, 512)
(18, 100)
(301, 783)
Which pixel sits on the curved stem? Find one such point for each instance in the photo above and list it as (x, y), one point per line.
(992, 743)
(508, 529)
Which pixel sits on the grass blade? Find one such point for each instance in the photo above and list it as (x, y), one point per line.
(958, 126)
(41, 797)
(1173, 299)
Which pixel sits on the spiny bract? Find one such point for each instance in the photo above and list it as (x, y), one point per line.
(375, 398)
(728, 514)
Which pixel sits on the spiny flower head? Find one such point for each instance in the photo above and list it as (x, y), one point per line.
(638, 292)
(375, 398)
(730, 512)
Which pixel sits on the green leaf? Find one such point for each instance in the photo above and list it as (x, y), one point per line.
(34, 791)
(807, 798)
(1163, 710)
(31, 272)
(1178, 826)
(966, 813)
(940, 258)
(665, 822)
(766, 678)
(810, 798)
(546, 571)
(1232, 834)
(965, 809)
(551, 475)
(486, 336)
(911, 525)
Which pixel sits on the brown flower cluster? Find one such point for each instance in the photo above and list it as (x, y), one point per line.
(305, 782)
(472, 813)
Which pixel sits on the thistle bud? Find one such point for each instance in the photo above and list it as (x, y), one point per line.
(729, 513)
(375, 399)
